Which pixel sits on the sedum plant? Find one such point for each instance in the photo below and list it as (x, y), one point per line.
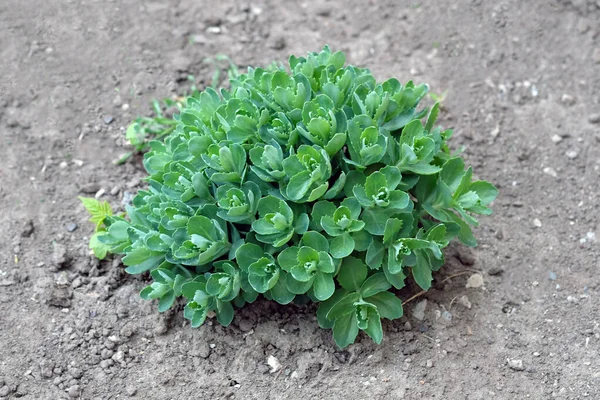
(319, 183)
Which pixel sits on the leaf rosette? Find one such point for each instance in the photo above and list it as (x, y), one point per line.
(318, 184)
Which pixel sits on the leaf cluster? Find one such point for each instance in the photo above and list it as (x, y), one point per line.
(319, 183)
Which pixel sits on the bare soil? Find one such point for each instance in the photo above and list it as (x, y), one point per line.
(522, 84)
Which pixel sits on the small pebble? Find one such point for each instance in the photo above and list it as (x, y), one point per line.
(464, 301)
(567, 99)
(447, 316)
(474, 281)
(419, 310)
(73, 391)
(537, 223)
(594, 119)
(557, 138)
(71, 226)
(572, 154)
(496, 271)
(108, 119)
(550, 171)
(429, 364)
(551, 276)
(273, 363)
(516, 365)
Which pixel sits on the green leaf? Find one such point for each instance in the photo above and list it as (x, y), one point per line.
(362, 240)
(375, 220)
(320, 209)
(352, 274)
(224, 312)
(301, 225)
(374, 329)
(345, 330)
(315, 240)
(280, 291)
(397, 279)
(323, 286)
(98, 210)
(388, 305)
(375, 254)
(141, 260)
(342, 246)
(166, 301)
(325, 307)
(99, 248)
(298, 186)
(297, 287)
(374, 284)
(247, 254)
(432, 116)
(422, 272)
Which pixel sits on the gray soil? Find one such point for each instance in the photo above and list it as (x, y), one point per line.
(523, 94)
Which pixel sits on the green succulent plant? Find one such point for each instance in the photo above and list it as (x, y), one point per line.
(319, 183)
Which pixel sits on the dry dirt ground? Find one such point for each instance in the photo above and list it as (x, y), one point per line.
(522, 83)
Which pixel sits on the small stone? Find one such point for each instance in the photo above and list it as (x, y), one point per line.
(76, 373)
(536, 354)
(119, 356)
(115, 191)
(557, 139)
(466, 256)
(407, 326)
(279, 43)
(46, 368)
(446, 317)
(594, 118)
(591, 236)
(464, 301)
(516, 365)
(27, 229)
(567, 99)
(429, 363)
(537, 223)
(572, 154)
(106, 354)
(551, 276)
(4, 391)
(496, 271)
(214, 30)
(550, 171)
(74, 392)
(59, 255)
(245, 325)
(294, 375)
(108, 119)
(90, 188)
(273, 363)
(71, 226)
(131, 391)
(419, 310)
(474, 281)
(62, 279)
(572, 299)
